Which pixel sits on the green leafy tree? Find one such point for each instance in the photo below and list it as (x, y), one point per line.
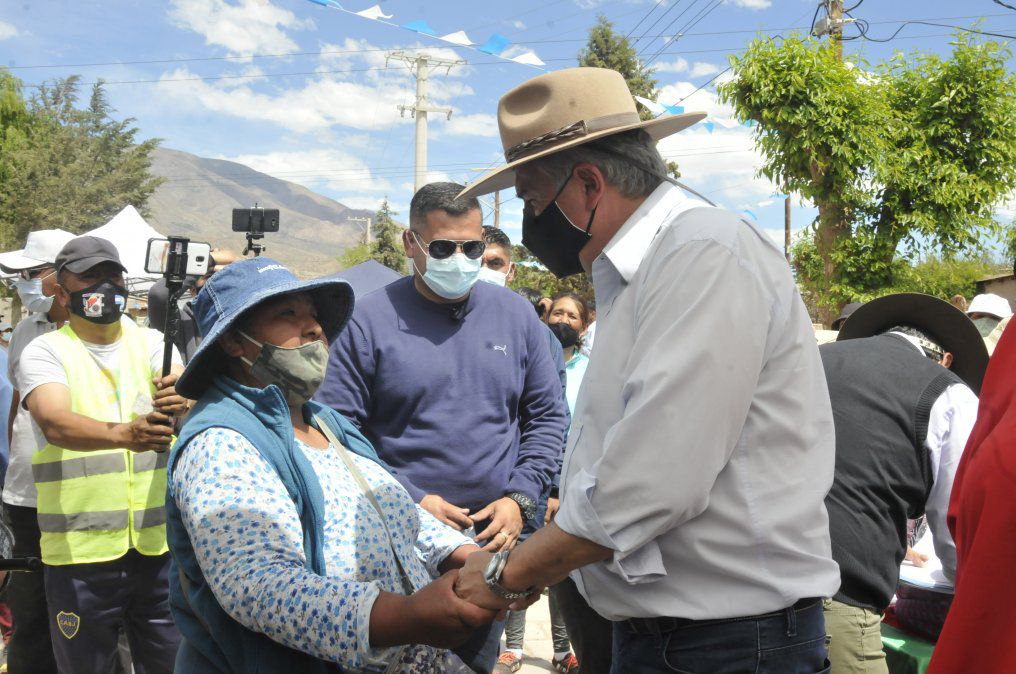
(908, 157)
(385, 246)
(529, 273)
(353, 256)
(606, 48)
(14, 128)
(936, 275)
(70, 167)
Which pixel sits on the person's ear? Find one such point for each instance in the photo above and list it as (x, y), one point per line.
(947, 360)
(62, 297)
(407, 243)
(511, 273)
(592, 181)
(230, 343)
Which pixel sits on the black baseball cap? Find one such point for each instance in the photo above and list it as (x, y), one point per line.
(84, 252)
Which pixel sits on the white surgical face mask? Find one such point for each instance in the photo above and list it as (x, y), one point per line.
(490, 276)
(32, 297)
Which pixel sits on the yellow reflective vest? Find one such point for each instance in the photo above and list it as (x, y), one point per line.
(95, 506)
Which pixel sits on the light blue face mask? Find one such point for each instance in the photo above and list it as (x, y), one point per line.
(32, 297)
(452, 277)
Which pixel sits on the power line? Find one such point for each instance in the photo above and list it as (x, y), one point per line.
(688, 26)
(685, 52)
(674, 20)
(660, 18)
(330, 52)
(863, 28)
(656, 5)
(1007, 6)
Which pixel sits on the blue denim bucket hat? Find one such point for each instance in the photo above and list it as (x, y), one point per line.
(242, 286)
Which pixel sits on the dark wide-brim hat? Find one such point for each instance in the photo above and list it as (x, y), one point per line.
(949, 327)
(564, 109)
(241, 286)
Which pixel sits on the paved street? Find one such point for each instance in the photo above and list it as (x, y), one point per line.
(539, 648)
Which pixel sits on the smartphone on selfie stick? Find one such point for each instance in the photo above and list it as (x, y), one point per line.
(175, 258)
(255, 222)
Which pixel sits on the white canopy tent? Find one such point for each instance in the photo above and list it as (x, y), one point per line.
(130, 232)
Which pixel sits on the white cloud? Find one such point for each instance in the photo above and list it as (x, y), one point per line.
(472, 125)
(721, 164)
(753, 4)
(678, 66)
(319, 168)
(702, 69)
(7, 31)
(244, 28)
(319, 105)
(518, 25)
(351, 89)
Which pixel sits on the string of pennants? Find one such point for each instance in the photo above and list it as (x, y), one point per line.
(496, 45)
(659, 109)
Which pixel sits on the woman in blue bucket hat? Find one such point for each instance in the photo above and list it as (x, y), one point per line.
(294, 550)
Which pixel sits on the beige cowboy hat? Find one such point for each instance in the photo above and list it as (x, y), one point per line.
(562, 109)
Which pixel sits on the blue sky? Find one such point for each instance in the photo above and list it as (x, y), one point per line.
(302, 92)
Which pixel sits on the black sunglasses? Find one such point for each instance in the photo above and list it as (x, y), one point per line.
(439, 249)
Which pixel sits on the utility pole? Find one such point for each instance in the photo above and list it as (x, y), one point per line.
(786, 227)
(366, 233)
(497, 209)
(835, 11)
(423, 65)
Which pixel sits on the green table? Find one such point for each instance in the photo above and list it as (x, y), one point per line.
(904, 653)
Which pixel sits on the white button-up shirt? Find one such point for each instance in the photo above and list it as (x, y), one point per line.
(702, 445)
(950, 422)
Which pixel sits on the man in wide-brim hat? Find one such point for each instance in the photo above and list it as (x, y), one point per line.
(701, 447)
(902, 380)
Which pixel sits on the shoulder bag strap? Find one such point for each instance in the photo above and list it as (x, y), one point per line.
(407, 584)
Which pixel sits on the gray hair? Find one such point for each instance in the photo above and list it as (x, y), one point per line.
(629, 161)
(439, 196)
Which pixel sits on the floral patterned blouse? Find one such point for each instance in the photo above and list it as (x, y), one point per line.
(248, 540)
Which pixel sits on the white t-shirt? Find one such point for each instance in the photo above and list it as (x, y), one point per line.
(19, 487)
(39, 364)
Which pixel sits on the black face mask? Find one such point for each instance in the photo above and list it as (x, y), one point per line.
(553, 239)
(102, 302)
(566, 334)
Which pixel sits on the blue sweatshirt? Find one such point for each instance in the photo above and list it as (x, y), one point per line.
(460, 402)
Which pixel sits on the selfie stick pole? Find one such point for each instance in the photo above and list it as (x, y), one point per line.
(176, 267)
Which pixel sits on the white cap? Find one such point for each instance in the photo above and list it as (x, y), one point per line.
(988, 303)
(40, 249)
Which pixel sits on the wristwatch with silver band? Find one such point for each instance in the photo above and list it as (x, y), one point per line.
(492, 576)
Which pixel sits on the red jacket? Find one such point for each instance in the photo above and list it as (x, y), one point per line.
(980, 632)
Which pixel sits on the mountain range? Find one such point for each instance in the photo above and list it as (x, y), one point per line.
(198, 195)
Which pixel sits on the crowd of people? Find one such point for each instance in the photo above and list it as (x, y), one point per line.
(325, 480)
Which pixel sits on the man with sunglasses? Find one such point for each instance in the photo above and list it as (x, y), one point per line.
(30, 650)
(453, 383)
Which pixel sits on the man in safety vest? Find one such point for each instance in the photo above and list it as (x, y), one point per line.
(103, 411)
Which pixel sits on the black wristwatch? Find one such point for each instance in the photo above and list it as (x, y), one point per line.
(492, 576)
(526, 505)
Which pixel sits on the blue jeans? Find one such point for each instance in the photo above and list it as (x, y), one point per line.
(792, 641)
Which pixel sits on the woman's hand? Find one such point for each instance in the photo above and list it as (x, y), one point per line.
(433, 615)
